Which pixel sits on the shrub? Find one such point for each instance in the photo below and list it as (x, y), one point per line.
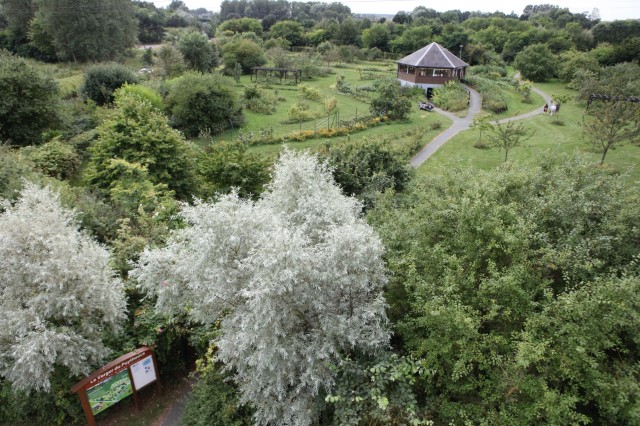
(142, 92)
(436, 125)
(259, 100)
(309, 93)
(391, 100)
(28, 101)
(56, 159)
(102, 80)
(244, 52)
(300, 112)
(451, 97)
(197, 101)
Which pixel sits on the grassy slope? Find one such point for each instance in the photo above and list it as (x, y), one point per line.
(547, 138)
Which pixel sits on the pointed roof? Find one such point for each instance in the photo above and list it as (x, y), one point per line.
(433, 56)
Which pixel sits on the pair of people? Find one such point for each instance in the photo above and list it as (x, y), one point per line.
(553, 109)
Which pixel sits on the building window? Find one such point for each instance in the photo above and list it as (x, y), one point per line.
(423, 72)
(438, 72)
(412, 70)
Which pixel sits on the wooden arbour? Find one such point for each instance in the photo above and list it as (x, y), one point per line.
(600, 97)
(281, 73)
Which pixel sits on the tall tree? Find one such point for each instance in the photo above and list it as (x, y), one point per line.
(28, 102)
(294, 281)
(58, 293)
(198, 53)
(536, 62)
(88, 30)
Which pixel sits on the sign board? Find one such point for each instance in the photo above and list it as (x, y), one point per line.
(143, 372)
(109, 391)
(115, 381)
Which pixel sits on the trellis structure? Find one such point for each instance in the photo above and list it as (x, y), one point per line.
(599, 97)
(281, 73)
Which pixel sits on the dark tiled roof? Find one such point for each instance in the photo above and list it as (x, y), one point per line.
(433, 56)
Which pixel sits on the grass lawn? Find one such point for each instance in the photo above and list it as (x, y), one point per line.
(548, 138)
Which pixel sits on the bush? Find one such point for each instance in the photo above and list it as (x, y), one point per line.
(309, 93)
(259, 100)
(436, 125)
(244, 52)
(28, 101)
(102, 80)
(451, 97)
(491, 91)
(56, 159)
(391, 100)
(197, 101)
(300, 112)
(140, 135)
(214, 400)
(142, 92)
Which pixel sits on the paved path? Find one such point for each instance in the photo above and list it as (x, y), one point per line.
(460, 124)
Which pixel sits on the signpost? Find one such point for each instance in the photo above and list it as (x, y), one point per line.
(115, 381)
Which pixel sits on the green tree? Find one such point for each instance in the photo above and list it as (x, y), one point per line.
(611, 124)
(377, 36)
(140, 134)
(242, 25)
(536, 62)
(102, 80)
(481, 122)
(390, 100)
(244, 52)
(29, 101)
(198, 53)
(290, 30)
(227, 166)
(508, 136)
(507, 285)
(104, 30)
(368, 167)
(151, 22)
(171, 61)
(196, 102)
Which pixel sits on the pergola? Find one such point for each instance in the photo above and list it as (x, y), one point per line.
(281, 73)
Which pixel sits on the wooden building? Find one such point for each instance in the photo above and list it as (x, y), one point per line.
(430, 67)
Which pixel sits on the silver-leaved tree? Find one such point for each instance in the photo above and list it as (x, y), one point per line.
(295, 280)
(57, 292)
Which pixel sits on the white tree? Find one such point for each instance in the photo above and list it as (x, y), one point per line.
(57, 292)
(295, 280)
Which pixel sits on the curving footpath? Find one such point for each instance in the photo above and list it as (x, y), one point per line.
(460, 124)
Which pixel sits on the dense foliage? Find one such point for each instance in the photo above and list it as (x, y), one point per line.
(59, 295)
(28, 104)
(197, 102)
(138, 133)
(513, 292)
(391, 100)
(294, 280)
(518, 288)
(367, 168)
(101, 35)
(102, 80)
